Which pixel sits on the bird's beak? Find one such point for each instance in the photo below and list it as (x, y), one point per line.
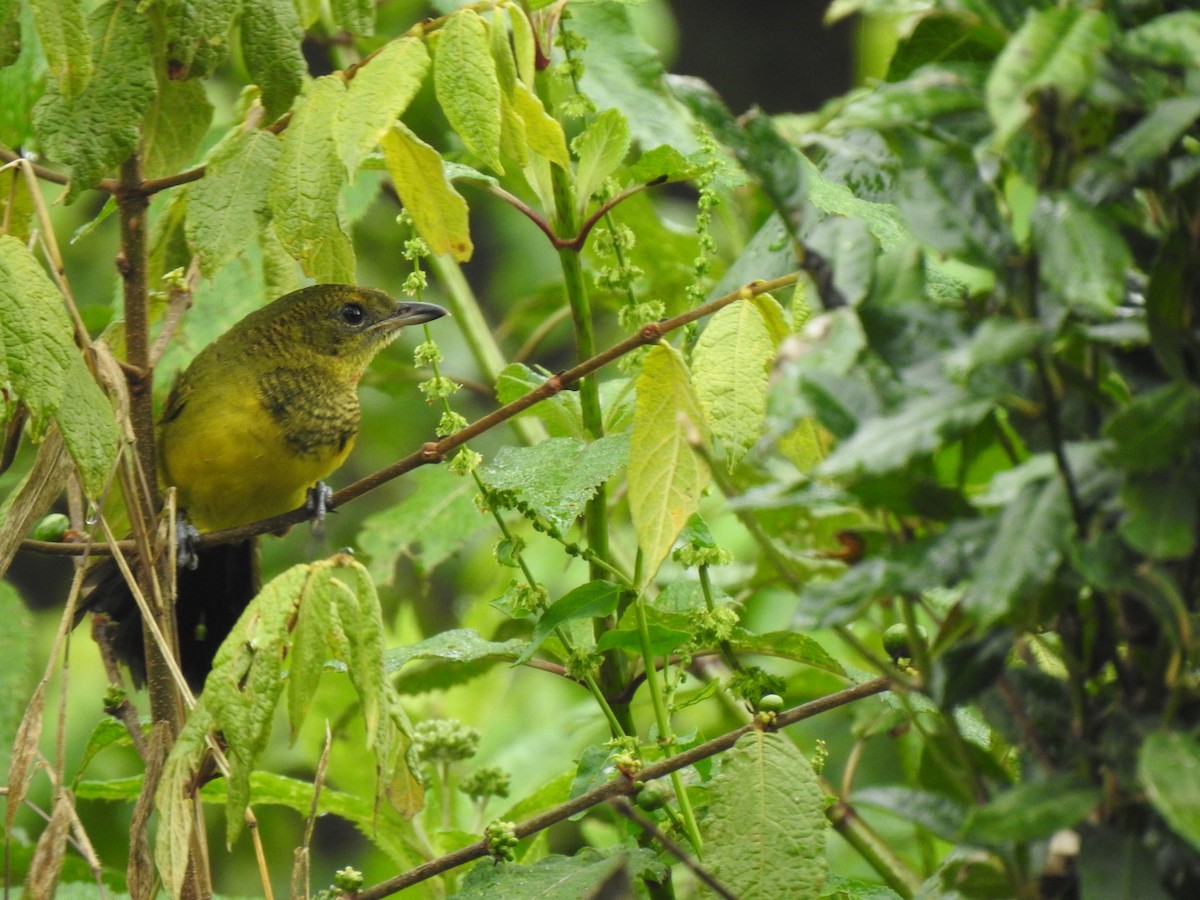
(412, 313)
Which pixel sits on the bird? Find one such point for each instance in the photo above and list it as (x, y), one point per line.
(250, 430)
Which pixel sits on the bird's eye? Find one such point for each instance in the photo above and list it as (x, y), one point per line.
(352, 314)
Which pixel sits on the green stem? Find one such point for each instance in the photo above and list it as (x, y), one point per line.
(727, 653)
(873, 849)
(663, 719)
(464, 306)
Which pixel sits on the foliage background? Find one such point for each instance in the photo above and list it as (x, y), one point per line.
(999, 402)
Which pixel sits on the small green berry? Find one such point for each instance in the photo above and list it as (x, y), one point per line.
(51, 528)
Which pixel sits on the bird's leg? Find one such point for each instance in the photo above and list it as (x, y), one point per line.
(317, 502)
(187, 555)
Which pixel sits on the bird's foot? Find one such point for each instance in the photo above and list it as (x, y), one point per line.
(187, 551)
(318, 502)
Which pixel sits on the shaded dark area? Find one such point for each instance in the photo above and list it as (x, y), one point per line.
(778, 54)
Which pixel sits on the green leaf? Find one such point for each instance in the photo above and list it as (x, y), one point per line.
(663, 165)
(231, 201)
(949, 208)
(920, 98)
(428, 526)
(944, 37)
(1160, 511)
(175, 125)
(888, 443)
(356, 16)
(663, 640)
(305, 184)
(1169, 769)
(941, 815)
(557, 477)
(456, 646)
(21, 83)
(275, 644)
(600, 149)
(730, 366)
(1156, 428)
(439, 212)
(467, 86)
(666, 476)
(560, 414)
(786, 645)
(96, 130)
(198, 36)
(764, 835)
(16, 625)
(1032, 810)
(543, 132)
(271, 38)
(588, 601)
(1171, 40)
(586, 874)
(1082, 258)
(107, 733)
(42, 366)
(1028, 546)
(67, 43)
(623, 72)
(1057, 49)
(378, 94)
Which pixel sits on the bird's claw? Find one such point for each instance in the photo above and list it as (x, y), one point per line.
(319, 502)
(187, 552)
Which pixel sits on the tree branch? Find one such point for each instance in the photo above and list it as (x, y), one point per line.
(436, 451)
(624, 786)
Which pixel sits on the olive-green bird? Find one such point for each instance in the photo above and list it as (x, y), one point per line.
(260, 417)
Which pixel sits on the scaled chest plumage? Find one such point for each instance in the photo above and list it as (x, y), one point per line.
(246, 446)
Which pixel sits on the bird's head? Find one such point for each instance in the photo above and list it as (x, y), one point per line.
(342, 322)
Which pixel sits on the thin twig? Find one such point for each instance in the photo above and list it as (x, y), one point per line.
(623, 806)
(624, 787)
(437, 451)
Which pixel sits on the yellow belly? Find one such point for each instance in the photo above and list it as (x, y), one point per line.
(230, 464)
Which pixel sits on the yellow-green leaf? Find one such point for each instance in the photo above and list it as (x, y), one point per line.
(524, 44)
(666, 476)
(600, 149)
(731, 362)
(271, 38)
(96, 129)
(439, 212)
(764, 835)
(543, 133)
(304, 188)
(42, 366)
(174, 126)
(66, 42)
(378, 95)
(467, 85)
(231, 201)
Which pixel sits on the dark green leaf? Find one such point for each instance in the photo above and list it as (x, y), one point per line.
(1032, 810)
(1057, 49)
(1155, 429)
(1160, 511)
(941, 815)
(588, 601)
(968, 668)
(588, 873)
(1169, 768)
(1082, 256)
(1025, 553)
